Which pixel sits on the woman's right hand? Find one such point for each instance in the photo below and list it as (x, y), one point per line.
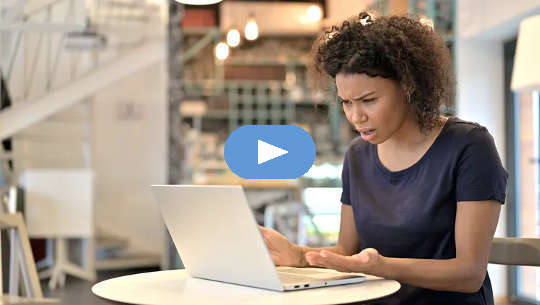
(283, 252)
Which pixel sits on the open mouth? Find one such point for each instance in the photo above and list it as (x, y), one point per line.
(368, 132)
(367, 135)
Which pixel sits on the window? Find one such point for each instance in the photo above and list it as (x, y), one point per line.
(523, 164)
(325, 208)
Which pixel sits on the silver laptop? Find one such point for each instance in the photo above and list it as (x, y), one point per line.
(218, 239)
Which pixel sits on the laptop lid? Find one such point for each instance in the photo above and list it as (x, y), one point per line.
(216, 235)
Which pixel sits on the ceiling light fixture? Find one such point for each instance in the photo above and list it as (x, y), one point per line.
(233, 38)
(251, 30)
(314, 13)
(222, 51)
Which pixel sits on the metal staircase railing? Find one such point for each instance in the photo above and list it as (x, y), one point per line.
(38, 35)
(38, 67)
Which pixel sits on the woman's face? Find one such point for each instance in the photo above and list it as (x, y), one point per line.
(375, 106)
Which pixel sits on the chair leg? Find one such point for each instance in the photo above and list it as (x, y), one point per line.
(60, 261)
(48, 261)
(46, 273)
(13, 264)
(30, 272)
(89, 257)
(62, 280)
(26, 285)
(54, 277)
(63, 267)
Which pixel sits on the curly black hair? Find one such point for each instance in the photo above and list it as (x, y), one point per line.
(395, 47)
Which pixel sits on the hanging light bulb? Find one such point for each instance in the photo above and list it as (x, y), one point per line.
(198, 2)
(314, 13)
(222, 51)
(233, 38)
(252, 29)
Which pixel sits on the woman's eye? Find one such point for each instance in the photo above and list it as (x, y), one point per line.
(342, 101)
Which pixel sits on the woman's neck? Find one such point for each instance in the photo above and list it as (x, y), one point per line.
(410, 138)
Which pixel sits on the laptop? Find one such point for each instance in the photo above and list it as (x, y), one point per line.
(216, 236)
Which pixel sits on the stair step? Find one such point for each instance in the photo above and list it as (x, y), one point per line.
(111, 242)
(127, 261)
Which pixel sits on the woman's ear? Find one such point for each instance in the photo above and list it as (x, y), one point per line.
(406, 92)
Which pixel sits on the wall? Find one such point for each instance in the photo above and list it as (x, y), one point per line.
(339, 10)
(129, 154)
(482, 28)
(492, 19)
(235, 14)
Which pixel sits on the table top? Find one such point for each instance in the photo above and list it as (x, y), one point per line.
(177, 287)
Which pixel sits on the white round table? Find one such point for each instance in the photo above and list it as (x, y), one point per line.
(177, 287)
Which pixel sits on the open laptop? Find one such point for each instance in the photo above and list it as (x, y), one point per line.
(218, 239)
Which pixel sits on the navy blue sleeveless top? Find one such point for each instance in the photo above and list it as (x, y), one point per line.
(411, 213)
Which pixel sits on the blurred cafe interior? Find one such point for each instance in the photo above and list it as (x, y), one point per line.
(102, 98)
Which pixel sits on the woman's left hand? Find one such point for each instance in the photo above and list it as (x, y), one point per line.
(367, 261)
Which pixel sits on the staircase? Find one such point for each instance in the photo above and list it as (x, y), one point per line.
(24, 114)
(45, 120)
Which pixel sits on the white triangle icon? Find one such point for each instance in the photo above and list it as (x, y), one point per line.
(267, 152)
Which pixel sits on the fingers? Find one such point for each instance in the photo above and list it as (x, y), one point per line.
(313, 258)
(329, 260)
(368, 256)
(337, 262)
(360, 262)
(263, 229)
(267, 242)
(363, 257)
(264, 232)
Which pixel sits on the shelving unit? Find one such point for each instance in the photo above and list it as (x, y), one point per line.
(238, 103)
(259, 103)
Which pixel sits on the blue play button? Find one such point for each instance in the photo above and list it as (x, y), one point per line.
(269, 151)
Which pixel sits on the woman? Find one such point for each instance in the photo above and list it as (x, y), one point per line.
(422, 193)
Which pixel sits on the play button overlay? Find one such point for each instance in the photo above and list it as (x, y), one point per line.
(269, 151)
(266, 152)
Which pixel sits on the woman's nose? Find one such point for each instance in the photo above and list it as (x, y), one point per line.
(357, 115)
